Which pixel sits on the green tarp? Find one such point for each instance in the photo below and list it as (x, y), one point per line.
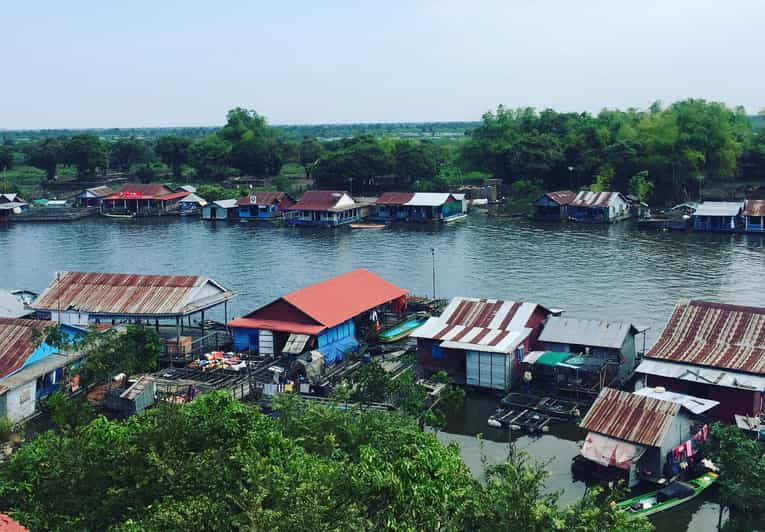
(551, 358)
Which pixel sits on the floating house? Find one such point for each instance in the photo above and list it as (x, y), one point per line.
(417, 207)
(321, 317)
(31, 370)
(480, 342)
(643, 435)
(15, 303)
(554, 205)
(92, 197)
(264, 205)
(191, 204)
(84, 298)
(324, 207)
(10, 197)
(713, 351)
(227, 209)
(599, 207)
(608, 345)
(151, 199)
(718, 216)
(754, 216)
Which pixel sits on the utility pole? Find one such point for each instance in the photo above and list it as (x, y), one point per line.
(433, 253)
(571, 177)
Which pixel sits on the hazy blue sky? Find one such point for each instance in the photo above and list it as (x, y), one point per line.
(155, 63)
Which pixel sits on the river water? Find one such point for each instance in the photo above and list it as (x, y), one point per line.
(609, 272)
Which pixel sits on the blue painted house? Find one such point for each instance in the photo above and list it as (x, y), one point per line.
(418, 207)
(264, 205)
(322, 317)
(31, 369)
(325, 207)
(718, 216)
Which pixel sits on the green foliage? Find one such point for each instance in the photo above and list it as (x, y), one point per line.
(255, 148)
(218, 192)
(309, 152)
(126, 152)
(371, 384)
(174, 152)
(217, 464)
(146, 173)
(87, 152)
(526, 190)
(108, 353)
(209, 156)
(67, 413)
(640, 186)
(6, 158)
(6, 429)
(603, 179)
(46, 154)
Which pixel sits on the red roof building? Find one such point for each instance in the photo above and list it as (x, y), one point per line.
(149, 199)
(714, 351)
(325, 311)
(754, 215)
(324, 207)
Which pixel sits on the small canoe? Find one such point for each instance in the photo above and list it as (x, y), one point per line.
(402, 329)
(119, 216)
(367, 226)
(648, 503)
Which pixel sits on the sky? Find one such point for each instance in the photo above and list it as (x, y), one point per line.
(147, 63)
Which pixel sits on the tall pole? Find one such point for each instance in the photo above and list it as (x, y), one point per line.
(571, 177)
(433, 253)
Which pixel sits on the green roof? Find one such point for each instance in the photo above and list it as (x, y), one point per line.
(551, 358)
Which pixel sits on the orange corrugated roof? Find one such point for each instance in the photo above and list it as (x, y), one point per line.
(277, 325)
(8, 524)
(339, 299)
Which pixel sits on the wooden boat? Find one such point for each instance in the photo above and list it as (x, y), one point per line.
(648, 503)
(402, 329)
(367, 226)
(127, 216)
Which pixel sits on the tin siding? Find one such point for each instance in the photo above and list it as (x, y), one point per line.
(20, 402)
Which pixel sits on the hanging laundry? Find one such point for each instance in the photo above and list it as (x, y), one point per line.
(688, 448)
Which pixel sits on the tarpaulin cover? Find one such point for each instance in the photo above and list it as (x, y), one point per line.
(611, 452)
(676, 490)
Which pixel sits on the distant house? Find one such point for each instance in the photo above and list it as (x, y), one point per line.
(264, 205)
(322, 317)
(480, 342)
(191, 204)
(717, 216)
(227, 209)
(324, 207)
(15, 304)
(611, 344)
(31, 371)
(10, 197)
(151, 199)
(92, 197)
(644, 435)
(754, 216)
(599, 207)
(553, 205)
(713, 351)
(417, 207)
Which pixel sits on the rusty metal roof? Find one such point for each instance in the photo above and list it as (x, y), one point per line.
(17, 342)
(594, 199)
(131, 294)
(320, 200)
(264, 198)
(754, 207)
(562, 197)
(100, 192)
(394, 198)
(140, 191)
(630, 417)
(714, 335)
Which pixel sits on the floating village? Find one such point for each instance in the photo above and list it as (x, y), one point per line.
(646, 409)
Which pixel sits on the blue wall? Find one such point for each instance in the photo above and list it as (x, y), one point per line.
(44, 350)
(334, 342)
(245, 339)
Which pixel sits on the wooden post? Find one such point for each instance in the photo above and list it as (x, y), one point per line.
(225, 312)
(202, 322)
(178, 329)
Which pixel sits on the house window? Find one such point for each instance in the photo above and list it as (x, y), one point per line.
(437, 352)
(519, 354)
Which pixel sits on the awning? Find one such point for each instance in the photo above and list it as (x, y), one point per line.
(611, 452)
(295, 344)
(546, 358)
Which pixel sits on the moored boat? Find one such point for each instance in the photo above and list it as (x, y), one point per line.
(126, 216)
(650, 503)
(367, 226)
(402, 329)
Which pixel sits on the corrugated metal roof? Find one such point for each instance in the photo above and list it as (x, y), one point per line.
(131, 294)
(695, 405)
(176, 195)
(686, 372)
(754, 207)
(596, 333)
(10, 197)
(263, 198)
(586, 198)
(193, 198)
(140, 191)
(562, 197)
(17, 342)
(11, 306)
(719, 208)
(714, 335)
(630, 417)
(320, 200)
(429, 199)
(226, 203)
(8, 524)
(100, 192)
(394, 198)
(480, 324)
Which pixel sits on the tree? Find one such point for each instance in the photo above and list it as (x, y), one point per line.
(209, 156)
(640, 186)
(309, 152)
(45, 155)
(174, 152)
(87, 152)
(352, 163)
(126, 152)
(371, 384)
(112, 352)
(255, 148)
(6, 158)
(415, 160)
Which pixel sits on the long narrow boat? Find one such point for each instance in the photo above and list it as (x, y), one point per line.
(402, 329)
(648, 503)
(367, 226)
(119, 216)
